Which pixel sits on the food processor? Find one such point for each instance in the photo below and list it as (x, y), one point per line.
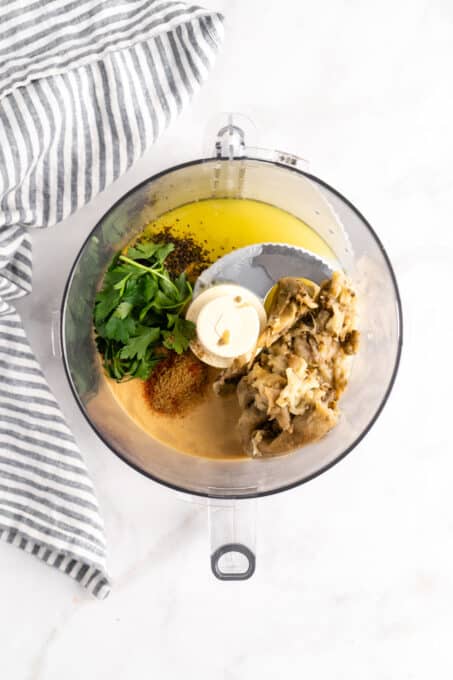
(235, 170)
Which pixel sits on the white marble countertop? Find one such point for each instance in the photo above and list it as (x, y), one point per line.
(354, 576)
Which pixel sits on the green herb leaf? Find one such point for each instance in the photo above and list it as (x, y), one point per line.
(164, 251)
(106, 302)
(121, 285)
(148, 287)
(143, 251)
(123, 310)
(171, 320)
(146, 366)
(169, 289)
(183, 286)
(150, 250)
(137, 346)
(119, 329)
(138, 310)
(161, 301)
(179, 337)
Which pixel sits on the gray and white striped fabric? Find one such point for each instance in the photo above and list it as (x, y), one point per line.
(85, 88)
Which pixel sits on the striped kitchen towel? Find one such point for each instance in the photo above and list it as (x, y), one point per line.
(85, 88)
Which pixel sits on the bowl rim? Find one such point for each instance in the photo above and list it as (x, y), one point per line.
(347, 450)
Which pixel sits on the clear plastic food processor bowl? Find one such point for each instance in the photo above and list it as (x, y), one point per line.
(276, 178)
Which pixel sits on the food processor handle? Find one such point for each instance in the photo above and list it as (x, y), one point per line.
(232, 538)
(235, 136)
(232, 549)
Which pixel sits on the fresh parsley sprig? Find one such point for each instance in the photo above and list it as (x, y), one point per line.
(138, 311)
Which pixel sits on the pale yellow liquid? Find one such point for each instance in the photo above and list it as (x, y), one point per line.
(229, 223)
(221, 225)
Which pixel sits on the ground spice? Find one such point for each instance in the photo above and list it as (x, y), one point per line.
(177, 383)
(188, 255)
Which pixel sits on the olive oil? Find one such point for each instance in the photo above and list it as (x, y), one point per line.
(224, 224)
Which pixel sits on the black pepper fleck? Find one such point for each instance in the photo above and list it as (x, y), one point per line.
(188, 255)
